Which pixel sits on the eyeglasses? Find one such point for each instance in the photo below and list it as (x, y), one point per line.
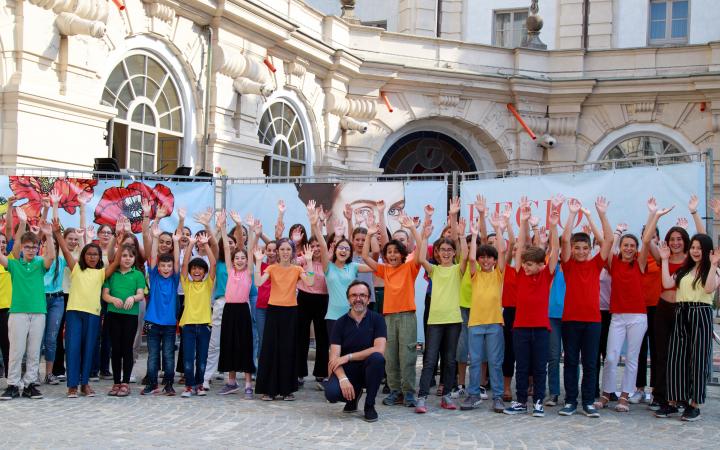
(359, 296)
(105, 232)
(29, 248)
(343, 247)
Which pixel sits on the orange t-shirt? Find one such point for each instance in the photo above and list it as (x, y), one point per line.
(399, 286)
(652, 283)
(283, 284)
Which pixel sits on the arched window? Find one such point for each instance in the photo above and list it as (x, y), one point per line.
(426, 152)
(644, 146)
(281, 129)
(148, 130)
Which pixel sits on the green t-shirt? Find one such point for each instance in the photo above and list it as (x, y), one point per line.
(28, 294)
(445, 300)
(124, 285)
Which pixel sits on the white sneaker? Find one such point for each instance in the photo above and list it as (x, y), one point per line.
(637, 397)
(220, 376)
(206, 385)
(483, 393)
(133, 379)
(458, 392)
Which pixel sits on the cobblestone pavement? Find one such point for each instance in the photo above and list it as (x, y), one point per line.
(309, 422)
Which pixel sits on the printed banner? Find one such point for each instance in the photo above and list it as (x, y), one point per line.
(108, 199)
(626, 189)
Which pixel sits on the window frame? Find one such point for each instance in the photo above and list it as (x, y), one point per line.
(667, 40)
(271, 136)
(663, 158)
(512, 13)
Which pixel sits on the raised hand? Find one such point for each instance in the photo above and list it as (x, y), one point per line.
(55, 197)
(574, 205)
(474, 228)
(543, 236)
(586, 212)
(525, 214)
(429, 210)
(236, 217)
(249, 219)
(156, 231)
(348, 212)
(203, 218)
(416, 221)
(652, 205)
(257, 227)
(202, 239)
(312, 214)
(406, 221)
(507, 213)
(90, 233)
(662, 211)
(714, 258)
(495, 220)
(339, 227)
(56, 225)
(427, 232)
(145, 207)
(45, 202)
(524, 202)
(664, 250)
(534, 221)
(281, 206)
(557, 200)
(296, 236)
(311, 205)
(22, 217)
(372, 228)
(602, 204)
(683, 223)
(693, 203)
(481, 205)
(84, 197)
(34, 229)
(259, 254)
(586, 229)
(161, 212)
(554, 218)
(455, 205)
(46, 228)
(181, 212)
(221, 220)
(715, 205)
(461, 225)
(176, 237)
(307, 255)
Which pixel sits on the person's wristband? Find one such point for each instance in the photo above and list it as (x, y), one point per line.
(350, 356)
(310, 273)
(343, 379)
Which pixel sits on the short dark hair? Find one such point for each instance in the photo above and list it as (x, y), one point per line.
(29, 236)
(359, 230)
(166, 257)
(198, 262)
(83, 252)
(486, 250)
(534, 254)
(580, 237)
(355, 283)
(400, 248)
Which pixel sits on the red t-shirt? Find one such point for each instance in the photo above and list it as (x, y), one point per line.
(582, 292)
(626, 291)
(672, 268)
(263, 290)
(533, 297)
(652, 283)
(509, 293)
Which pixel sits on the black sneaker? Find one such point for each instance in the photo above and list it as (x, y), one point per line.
(10, 393)
(666, 411)
(32, 392)
(691, 414)
(351, 406)
(654, 406)
(370, 414)
(386, 389)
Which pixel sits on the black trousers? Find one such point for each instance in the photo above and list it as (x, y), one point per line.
(4, 339)
(122, 328)
(312, 308)
(605, 318)
(509, 358)
(689, 363)
(59, 364)
(648, 342)
(664, 325)
(366, 374)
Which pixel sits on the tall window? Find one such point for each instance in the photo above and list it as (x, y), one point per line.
(669, 21)
(510, 29)
(148, 130)
(641, 146)
(281, 129)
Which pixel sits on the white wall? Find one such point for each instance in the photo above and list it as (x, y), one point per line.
(631, 22)
(479, 19)
(365, 10)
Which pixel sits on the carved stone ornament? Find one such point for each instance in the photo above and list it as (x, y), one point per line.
(159, 10)
(249, 74)
(84, 17)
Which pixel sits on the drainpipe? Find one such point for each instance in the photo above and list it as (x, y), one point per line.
(585, 23)
(208, 72)
(438, 24)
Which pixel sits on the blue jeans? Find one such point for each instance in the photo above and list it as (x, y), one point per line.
(55, 310)
(581, 340)
(196, 341)
(531, 350)
(554, 356)
(81, 330)
(487, 343)
(260, 315)
(160, 336)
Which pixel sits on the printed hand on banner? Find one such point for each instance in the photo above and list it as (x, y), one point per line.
(683, 223)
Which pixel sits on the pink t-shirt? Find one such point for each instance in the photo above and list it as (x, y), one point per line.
(237, 289)
(319, 286)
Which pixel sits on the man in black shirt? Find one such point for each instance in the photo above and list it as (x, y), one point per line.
(357, 348)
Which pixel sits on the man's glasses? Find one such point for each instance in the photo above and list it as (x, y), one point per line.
(359, 296)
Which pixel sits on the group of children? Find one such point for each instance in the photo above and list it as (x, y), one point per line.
(500, 307)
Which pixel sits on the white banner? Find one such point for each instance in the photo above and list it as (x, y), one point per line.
(626, 189)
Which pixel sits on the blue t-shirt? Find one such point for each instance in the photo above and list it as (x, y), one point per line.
(337, 281)
(162, 304)
(53, 283)
(353, 337)
(366, 277)
(557, 294)
(221, 276)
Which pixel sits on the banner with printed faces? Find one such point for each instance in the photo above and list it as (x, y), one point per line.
(627, 190)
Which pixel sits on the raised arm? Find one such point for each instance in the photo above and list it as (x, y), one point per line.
(601, 205)
(371, 263)
(453, 213)
(22, 225)
(711, 283)
(204, 242)
(507, 215)
(693, 207)
(114, 264)
(315, 230)
(147, 238)
(553, 221)
(49, 254)
(574, 206)
(481, 208)
(524, 217)
(83, 198)
(308, 276)
(408, 223)
(498, 224)
(260, 279)
(155, 236)
(348, 214)
(280, 224)
(667, 280)
(422, 257)
(382, 226)
(9, 216)
(471, 261)
(463, 245)
(69, 258)
(188, 256)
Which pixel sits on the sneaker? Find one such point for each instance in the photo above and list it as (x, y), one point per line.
(590, 411)
(104, 374)
(370, 414)
(446, 402)
(552, 401)
(187, 393)
(151, 390)
(483, 393)
(394, 398)
(145, 380)
(691, 414)
(498, 405)
(386, 389)
(52, 379)
(72, 392)
(32, 392)
(95, 378)
(220, 376)
(87, 391)
(568, 410)
(516, 408)
(654, 406)
(10, 393)
(320, 385)
(200, 391)
(470, 402)
(409, 400)
(636, 397)
(227, 389)
(168, 390)
(60, 377)
(666, 411)
(206, 385)
(458, 391)
(249, 393)
(133, 379)
(301, 382)
(538, 410)
(421, 407)
(351, 406)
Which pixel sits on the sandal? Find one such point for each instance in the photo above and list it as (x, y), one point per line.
(87, 391)
(114, 390)
(124, 390)
(266, 398)
(288, 398)
(623, 405)
(603, 402)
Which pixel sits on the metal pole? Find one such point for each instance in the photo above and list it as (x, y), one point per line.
(455, 183)
(223, 191)
(709, 187)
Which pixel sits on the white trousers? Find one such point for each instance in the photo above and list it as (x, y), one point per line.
(26, 332)
(630, 328)
(214, 348)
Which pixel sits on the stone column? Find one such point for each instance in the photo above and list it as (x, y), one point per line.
(600, 24)
(417, 17)
(570, 24)
(451, 20)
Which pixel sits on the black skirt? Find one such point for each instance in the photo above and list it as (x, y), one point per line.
(277, 369)
(236, 339)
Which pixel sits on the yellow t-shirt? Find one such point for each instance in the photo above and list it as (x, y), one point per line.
(445, 299)
(198, 295)
(5, 287)
(86, 289)
(686, 292)
(486, 306)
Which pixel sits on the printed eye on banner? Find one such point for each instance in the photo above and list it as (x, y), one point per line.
(127, 201)
(35, 189)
